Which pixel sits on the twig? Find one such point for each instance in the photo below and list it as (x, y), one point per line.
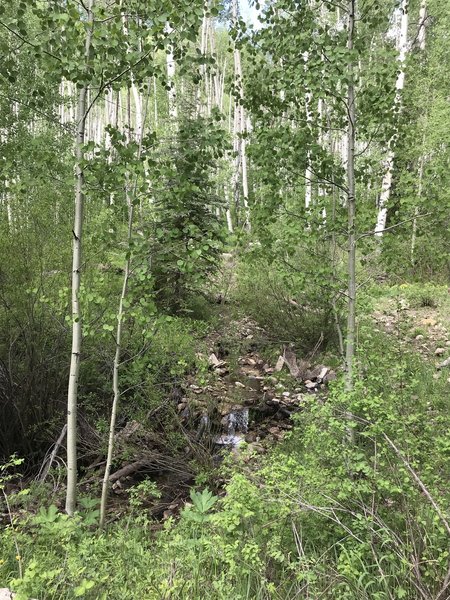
(45, 469)
(419, 483)
(393, 226)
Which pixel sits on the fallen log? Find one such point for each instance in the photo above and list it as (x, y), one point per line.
(129, 469)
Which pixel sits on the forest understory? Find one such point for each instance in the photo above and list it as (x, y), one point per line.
(224, 300)
(217, 489)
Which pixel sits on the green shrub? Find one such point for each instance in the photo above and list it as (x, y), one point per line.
(292, 309)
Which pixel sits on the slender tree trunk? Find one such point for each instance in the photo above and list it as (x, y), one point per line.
(170, 66)
(155, 103)
(72, 394)
(309, 118)
(239, 130)
(130, 197)
(416, 212)
(386, 185)
(116, 367)
(421, 37)
(351, 208)
(203, 49)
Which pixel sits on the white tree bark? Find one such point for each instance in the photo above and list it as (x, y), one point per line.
(239, 131)
(351, 208)
(386, 185)
(130, 193)
(171, 68)
(309, 118)
(203, 50)
(72, 394)
(421, 38)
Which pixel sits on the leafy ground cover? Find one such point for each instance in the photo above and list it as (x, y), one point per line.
(301, 514)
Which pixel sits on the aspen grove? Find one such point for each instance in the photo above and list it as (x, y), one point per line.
(225, 299)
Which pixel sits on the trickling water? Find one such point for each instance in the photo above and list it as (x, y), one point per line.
(237, 424)
(204, 426)
(238, 421)
(229, 440)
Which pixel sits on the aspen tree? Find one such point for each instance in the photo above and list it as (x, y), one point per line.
(386, 185)
(239, 130)
(171, 67)
(72, 393)
(351, 210)
(421, 38)
(130, 193)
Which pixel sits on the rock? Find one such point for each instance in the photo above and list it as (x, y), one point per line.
(322, 374)
(181, 406)
(445, 363)
(239, 384)
(279, 365)
(419, 337)
(214, 362)
(251, 372)
(229, 440)
(428, 322)
(6, 594)
(276, 432)
(447, 343)
(286, 394)
(221, 371)
(439, 351)
(310, 385)
(255, 448)
(225, 409)
(330, 376)
(291, 361)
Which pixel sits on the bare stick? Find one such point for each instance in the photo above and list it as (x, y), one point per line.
(419, 483)
(45, 469)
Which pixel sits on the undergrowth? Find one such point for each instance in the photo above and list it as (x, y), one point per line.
(315, 518)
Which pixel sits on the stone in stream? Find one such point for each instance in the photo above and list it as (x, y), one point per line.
(231, 441)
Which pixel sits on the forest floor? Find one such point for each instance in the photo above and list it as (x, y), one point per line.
(232, 413)
(241, 403)
(251, 387)
(419, 319)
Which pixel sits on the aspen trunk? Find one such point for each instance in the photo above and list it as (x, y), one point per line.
(116, 366)
(308, 172)
(203, 49)
(351, 208)
(170, 66)
(421, 38)
(130, 197)
(72, 394)
(386, 185)
(239, 130)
